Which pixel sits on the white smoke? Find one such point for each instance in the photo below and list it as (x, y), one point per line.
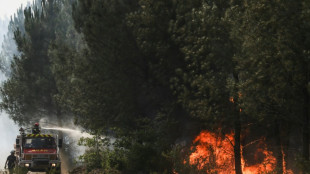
(8, 129)
(8, 133)
(8, 8)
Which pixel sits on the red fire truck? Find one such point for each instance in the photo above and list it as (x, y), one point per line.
(38, 152)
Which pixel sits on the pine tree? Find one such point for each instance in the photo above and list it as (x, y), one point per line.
(273, 66)
(208, 85)
(28, 93)
(125, 84)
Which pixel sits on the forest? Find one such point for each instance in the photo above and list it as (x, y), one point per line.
(184, 87)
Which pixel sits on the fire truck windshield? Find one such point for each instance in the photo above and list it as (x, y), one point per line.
(40, 143)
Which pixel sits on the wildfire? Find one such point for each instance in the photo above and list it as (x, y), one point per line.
(215, 154)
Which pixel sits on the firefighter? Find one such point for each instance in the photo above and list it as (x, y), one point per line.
(36, 129)
(22, 131)
(10, 162)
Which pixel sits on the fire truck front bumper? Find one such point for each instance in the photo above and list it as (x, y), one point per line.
(40, 164)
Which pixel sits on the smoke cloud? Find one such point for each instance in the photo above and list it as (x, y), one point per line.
(8, 133)
(8, 129)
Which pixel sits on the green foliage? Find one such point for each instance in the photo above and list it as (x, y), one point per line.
(203, 38)
(127, 89)
(105, 79)
(272, 82)
(99, 154)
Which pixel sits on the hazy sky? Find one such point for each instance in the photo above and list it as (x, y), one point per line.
(9, 7)
(8, 130)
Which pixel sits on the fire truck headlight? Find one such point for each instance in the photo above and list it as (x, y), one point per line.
(53, 165)
(27, 165)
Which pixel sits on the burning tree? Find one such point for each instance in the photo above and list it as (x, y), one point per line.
(210, 79)
(214, 153)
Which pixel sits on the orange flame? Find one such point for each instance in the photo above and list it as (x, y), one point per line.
(285, 170)
(212, 152)
(231, 99)
(215, 154)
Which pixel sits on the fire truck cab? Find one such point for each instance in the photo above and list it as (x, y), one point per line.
(38, 152)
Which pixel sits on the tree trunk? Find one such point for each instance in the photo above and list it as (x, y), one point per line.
(237, 129)
(306, 126)
(237, 151)
(286, 131)
(278, 149)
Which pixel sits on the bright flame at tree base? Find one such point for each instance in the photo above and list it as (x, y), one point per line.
(215, 154)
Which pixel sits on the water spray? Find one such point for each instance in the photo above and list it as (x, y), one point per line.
(71, 131)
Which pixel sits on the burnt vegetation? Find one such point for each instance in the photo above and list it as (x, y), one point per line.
(153, 74)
